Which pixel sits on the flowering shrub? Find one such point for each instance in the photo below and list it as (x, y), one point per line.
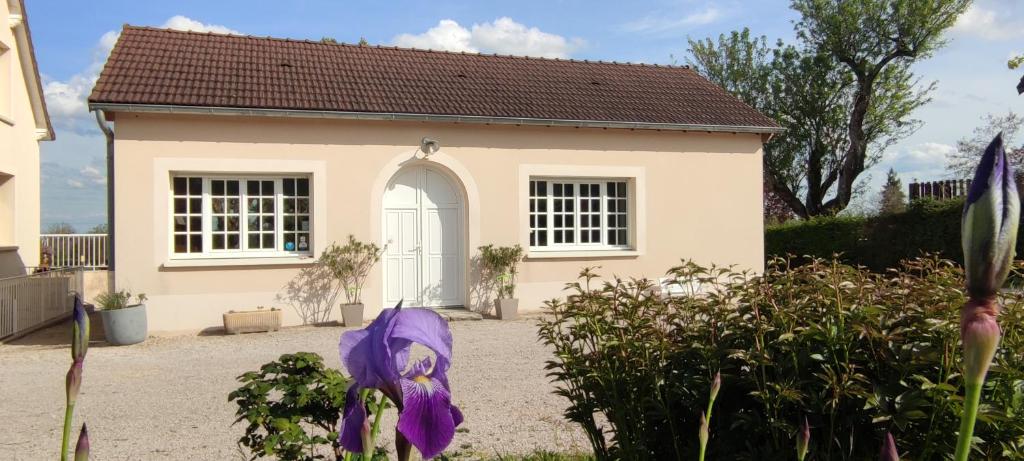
(857, 353)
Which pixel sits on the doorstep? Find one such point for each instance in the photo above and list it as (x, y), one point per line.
(457, 314)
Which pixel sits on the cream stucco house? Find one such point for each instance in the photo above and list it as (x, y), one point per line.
(239, 159)
(23, 124)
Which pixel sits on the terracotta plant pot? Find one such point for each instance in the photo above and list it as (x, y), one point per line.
(352, 315)
(125, 326)
(508, 309)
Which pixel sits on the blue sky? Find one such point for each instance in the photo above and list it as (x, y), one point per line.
(73, 38)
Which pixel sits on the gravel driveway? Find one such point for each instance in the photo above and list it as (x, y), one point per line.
(167, 398)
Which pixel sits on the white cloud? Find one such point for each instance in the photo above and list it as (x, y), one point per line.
(183, 23)
(93, 175)
(922, 162)
(666, 23)
(73, 192)
(986, 23)
(447, 35)
(926, 156)
(503, 35)
(66, 99)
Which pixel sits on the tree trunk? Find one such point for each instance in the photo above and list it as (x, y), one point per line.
(856, 152)
(786, 194)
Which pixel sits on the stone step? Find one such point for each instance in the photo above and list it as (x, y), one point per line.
(457, 314)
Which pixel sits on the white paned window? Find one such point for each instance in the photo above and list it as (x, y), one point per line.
(224, 217)
(579, 214)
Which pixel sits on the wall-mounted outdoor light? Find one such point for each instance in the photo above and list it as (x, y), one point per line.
(429, 146)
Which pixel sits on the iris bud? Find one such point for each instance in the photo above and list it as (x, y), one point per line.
(803, 440)
(716, 385)
(82, 448)
(979, 332)
(989, 223)
(889, 451)
(79, 331)
(73, 381)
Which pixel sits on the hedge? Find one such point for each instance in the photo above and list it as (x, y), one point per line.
(878, 243)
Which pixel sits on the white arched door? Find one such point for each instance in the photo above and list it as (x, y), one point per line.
(423, 233)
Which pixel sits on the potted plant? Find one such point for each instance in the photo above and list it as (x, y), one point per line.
(350, 264)
(124, 322)
(501, 264)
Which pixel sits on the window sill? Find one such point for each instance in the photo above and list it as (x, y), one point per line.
(571, 254)
(240, 262)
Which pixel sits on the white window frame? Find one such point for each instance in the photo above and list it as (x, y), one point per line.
(576, 213)
(207, 217)
(636, 179)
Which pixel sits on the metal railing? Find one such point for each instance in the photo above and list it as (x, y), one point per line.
(75, 250)
(29, 302)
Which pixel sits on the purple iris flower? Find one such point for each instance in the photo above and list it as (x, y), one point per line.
(377, 357)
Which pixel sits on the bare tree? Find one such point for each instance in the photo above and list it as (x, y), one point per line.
(968, 149)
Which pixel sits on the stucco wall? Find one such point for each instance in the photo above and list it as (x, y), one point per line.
(19, 160)
(702, 198)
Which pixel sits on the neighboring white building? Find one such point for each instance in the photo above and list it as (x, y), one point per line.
(23, 124)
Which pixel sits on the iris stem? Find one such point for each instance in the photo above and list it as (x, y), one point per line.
(707, 418)
(368, 447)
(972, 398)
(377, 416)
(68, 413)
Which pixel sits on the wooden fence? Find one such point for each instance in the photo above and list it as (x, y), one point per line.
(30, 302)
(940, 190)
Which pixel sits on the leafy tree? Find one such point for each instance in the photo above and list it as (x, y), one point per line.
(329, 40)
(775, 210)
(844, 93)
(60, 228)
(363, 42)
(892, 199)
(98, 229)
(1014, 63)
(968, 149)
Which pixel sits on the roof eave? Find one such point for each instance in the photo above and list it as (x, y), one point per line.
(488, 120)
(30, 68)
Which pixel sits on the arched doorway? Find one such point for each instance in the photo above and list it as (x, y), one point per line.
(423, 230)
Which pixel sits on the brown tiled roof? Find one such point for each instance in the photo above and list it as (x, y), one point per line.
(171, 68)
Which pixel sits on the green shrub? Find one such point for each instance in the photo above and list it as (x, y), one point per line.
(858, 353)
(114, 300)
(879, 243)
(501, 264)
(351, 264)
(292, 407)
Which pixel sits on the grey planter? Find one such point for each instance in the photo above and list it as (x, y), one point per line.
(352, 315)
(508, 309)
(125, 326)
